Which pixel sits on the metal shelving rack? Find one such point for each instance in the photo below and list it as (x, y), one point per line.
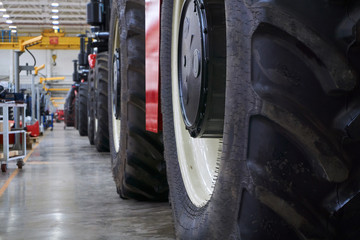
(18, 144)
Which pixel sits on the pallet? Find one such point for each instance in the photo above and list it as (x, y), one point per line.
(30, 140)
(34, 139)
(28, 145)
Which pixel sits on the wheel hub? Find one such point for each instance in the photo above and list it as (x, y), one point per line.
(117, 86)
(201, 77)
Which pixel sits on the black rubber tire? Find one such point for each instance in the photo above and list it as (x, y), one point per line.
(289, 165)
(101, 136)
(69, 111)
(90, 107)
(138, 167)
(76, 123)
(3, 167)
(83, 102)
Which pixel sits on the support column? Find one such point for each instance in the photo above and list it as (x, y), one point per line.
(11, 70)
(17, 90)
(38, 104)
(33, 98)
(17, 86)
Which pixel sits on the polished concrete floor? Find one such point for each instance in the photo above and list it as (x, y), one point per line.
(66, 191)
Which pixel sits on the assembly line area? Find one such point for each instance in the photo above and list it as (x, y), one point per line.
(180, 119)
(66, 191)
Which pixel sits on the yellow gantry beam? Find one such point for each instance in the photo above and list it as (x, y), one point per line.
(46, 43)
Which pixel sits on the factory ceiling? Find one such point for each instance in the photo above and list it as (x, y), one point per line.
(30, 18)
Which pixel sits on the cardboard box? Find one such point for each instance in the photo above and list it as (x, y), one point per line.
(12, 153)
(2, 126)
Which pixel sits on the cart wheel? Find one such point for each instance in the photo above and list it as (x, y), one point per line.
(3, 167)
(64, 127)
(20, 164)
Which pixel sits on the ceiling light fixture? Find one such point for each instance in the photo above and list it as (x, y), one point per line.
(54, 10)
(54, 4)
(55, 17)
(55, 22)
(56, 27)
(13, 31)
(2, 10)
(6, 16)
(9, 21)
(12, 27)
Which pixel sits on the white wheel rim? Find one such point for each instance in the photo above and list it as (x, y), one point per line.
(116, 132)
(115, 122)
(198, 157)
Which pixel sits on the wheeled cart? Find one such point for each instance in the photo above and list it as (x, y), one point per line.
(48, 121)
(15, 138)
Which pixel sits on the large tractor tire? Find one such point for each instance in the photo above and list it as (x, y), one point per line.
(284, 164)
(137, 155)
(83, 102)
(77, 99)
(91, 107)
(101, 136)
(69, 109)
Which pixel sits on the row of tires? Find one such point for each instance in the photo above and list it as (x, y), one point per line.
(285, 163)
(91, 105)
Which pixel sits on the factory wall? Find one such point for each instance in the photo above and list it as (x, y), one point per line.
(63, 67)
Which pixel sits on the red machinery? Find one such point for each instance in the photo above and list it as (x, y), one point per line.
(59, 115)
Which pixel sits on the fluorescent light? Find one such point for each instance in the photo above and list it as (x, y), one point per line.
(1, 3)
(6, 16)
(55, 22)
(56, 27)
(9, 21)
(13, 31)
(12, 27)
(55, 17)
(54, 4)
(2, 10)
(54, 10)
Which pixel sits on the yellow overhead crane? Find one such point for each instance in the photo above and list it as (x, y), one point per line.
(49, 40)
(37, 69)
(29, 42)
(22, 45)
(42, 81)
(56, 104)
(51, 79)
(56, 98)
(58, 89)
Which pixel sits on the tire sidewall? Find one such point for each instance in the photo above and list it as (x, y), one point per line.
(218, 218)
(82, 108)
(90, 106)
(114, 154)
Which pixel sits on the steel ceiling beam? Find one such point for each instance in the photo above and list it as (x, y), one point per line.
(45, 3)
(36, 15)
